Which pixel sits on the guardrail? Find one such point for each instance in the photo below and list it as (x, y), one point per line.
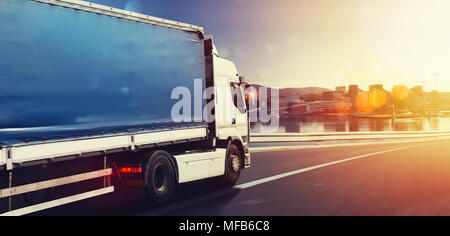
(343, 136)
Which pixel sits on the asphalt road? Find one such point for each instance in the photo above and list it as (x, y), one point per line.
(378, 179)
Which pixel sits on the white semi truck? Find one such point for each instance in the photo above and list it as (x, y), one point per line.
(87, 100)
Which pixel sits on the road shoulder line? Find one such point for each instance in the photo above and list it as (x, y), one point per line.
(320, 146)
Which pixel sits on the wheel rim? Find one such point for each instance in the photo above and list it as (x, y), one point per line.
(235, 163)
(161, 178)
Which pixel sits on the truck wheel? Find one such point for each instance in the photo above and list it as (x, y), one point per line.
(159, 177)
(233, 166)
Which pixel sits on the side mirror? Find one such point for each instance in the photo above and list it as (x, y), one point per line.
(242, 81)
(247, 102)
(243, 84)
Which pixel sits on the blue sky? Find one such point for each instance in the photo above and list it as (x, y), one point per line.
(326, 43)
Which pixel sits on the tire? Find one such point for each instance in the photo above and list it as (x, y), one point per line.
(159, 177)
(233, 166)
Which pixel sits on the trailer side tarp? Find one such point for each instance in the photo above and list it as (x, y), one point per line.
(66, 72)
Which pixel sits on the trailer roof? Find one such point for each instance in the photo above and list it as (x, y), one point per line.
(115, 12)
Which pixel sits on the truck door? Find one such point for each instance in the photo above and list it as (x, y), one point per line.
(230, 110)
(239, 110)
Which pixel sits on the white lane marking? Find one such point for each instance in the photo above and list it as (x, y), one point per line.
(190, 202)
(280, 176)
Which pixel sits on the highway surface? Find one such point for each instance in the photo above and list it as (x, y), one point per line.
(409, 178)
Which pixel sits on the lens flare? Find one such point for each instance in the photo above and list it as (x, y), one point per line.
(400, 93)
(368, 102)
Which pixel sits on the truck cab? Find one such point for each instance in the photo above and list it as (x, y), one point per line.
(231, 114)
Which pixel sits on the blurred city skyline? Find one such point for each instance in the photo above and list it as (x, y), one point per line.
(323, 43)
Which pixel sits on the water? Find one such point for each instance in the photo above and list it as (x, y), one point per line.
(327, 124)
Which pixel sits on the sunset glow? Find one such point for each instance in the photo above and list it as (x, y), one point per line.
(329, 43)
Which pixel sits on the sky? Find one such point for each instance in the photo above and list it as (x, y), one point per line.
(324, 43)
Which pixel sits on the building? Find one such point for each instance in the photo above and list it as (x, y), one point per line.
(332, 95)
(341, 89)
(418, 90)
(376, 87)
(353, 91)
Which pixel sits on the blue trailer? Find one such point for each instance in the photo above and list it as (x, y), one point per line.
(86, 93)
(67, 72)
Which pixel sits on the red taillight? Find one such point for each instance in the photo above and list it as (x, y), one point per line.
(130, 170)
